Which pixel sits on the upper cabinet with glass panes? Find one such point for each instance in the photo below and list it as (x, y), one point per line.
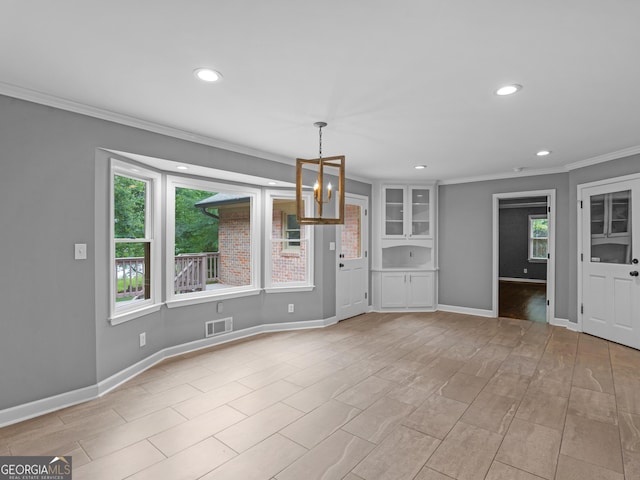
(407, 212)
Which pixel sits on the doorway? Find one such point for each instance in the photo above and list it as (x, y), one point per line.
(352, 272)
(524, 260)
(609, 252)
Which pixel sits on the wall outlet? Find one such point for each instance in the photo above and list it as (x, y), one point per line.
(143, 339)
(525, 270)
(80, 251)
(291, 308)
(219, 307)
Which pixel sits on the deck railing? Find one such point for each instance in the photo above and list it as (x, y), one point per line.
(193, 271)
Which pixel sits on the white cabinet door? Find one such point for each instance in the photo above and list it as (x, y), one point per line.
(419, 212)
(420, 289)
(393, 290)
(408, 212)
(393, 204)
(610, 269)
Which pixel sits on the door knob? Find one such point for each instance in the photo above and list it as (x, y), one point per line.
(634, 273)
(342, 265)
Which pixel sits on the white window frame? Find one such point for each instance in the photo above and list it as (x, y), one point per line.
(175, 300)
(531, 258)
(123, 313)
(307, 284)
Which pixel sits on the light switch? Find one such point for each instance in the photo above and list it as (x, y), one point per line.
(332, 246)
(80, 251)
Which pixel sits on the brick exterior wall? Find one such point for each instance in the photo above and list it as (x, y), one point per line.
(234, 240)
(351, 232)
(286, 266)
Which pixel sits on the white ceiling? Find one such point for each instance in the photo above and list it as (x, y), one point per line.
(400, 83)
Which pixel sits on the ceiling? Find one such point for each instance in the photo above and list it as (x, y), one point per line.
(400, 83)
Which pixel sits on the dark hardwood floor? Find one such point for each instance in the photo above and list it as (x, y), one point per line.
(524, 301)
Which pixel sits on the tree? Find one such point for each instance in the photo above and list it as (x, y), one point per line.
(195, 231)
(129, 214)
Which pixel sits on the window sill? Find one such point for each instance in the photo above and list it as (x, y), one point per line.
(123, 317)
(537, 260)
(302, 288)
(194, 300)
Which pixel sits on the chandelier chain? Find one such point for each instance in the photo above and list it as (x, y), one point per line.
(320, 135)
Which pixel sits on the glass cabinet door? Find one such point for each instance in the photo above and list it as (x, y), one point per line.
(394, 211)
(420, 221)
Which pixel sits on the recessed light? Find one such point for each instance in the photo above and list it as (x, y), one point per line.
(508, 89)
(182, 167)
(517, 169)
(420, 167)
(272, 183)
(207, 75)
(543, 153)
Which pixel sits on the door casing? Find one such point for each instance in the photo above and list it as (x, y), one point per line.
(551, 262)
(579, 247)
(365, 248)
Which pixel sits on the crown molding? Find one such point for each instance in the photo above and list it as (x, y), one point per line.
(103, 114)
(504, 175)
(35, 96)
(626, 152)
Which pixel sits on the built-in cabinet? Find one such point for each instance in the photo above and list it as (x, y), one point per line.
(406, 211)
(404, 258)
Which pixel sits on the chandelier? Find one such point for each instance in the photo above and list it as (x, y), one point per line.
(328, 208)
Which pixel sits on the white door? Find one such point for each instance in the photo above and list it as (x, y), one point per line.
(352, 272)
(611, 250)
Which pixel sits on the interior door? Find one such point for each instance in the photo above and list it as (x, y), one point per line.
(611, 250)
(352, 272)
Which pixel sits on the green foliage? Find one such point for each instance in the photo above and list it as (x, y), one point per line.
(129, 214)
(195, 231)
(540, 227)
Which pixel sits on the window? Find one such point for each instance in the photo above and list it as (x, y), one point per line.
(134, 230)
(289, 266)
(290, 231)
(538, 237)
(212, 240)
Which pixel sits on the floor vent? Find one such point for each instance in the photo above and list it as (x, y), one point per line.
(216, 327)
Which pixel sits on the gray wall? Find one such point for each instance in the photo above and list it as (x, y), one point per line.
(54, 335)
(465, 239)
(514, 244)
(614, 168)
(465, 233)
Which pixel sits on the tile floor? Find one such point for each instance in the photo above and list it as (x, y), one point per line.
(382, 396)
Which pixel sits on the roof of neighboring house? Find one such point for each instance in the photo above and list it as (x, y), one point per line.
(220, 199)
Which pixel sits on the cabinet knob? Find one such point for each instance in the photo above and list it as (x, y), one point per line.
(634, 273)
(341, 265)
(635, 260)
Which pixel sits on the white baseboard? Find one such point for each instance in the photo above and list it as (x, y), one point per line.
(563, 322)
(466, 310)
(23, 412)
(406, 310)
(29, 410)
(523, 280)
